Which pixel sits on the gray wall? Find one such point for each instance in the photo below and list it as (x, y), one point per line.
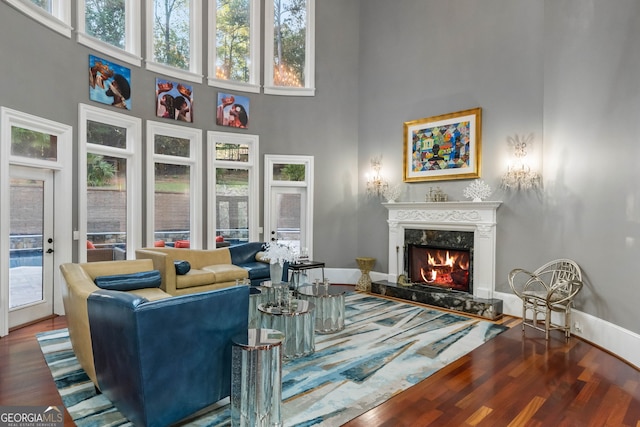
(566, 71)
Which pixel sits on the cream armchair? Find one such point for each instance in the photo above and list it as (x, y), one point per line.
(551, 288)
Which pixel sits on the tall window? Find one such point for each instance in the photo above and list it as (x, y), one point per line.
(174, 38)
(55, 14)
(174, 192)
(234, 44)
(111, 27)
(289, 47)
(233, 173)
(110, 207)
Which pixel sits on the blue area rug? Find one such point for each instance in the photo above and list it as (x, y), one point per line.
(386, 347)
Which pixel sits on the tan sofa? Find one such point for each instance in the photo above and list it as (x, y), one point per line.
(79, 279)
(210, 269)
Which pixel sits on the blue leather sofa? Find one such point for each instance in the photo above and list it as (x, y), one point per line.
(161, 361)
(244, 255)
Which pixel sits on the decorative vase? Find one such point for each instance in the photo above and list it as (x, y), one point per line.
(275, 273)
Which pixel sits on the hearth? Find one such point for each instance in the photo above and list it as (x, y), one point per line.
(439, 267)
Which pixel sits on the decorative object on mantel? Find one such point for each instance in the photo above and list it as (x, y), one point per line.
(443, 147)
(278, 254)
(392, 193)
(365, 265)
(477, 191)
(436, 195)
(376, 185)
(519, 175)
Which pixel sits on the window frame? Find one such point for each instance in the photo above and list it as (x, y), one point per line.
(195, 185)
(131, 54)
(253, 86)
(132, 153)
(58, 20)
(194, 73)
(252, 165)
(309, 67)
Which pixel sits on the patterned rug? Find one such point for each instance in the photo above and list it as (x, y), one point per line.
(386, 347)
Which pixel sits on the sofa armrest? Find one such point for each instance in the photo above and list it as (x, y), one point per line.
(157, 371)
(163, 262)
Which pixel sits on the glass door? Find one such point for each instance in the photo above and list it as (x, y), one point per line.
(31, 245)
(288, 225)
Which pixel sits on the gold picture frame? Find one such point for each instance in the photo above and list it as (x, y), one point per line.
(456, 137)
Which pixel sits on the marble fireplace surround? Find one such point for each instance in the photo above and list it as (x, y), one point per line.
(476, 217)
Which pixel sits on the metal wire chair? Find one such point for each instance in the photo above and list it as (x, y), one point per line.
(550, 288)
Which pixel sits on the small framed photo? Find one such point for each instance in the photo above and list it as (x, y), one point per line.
(232, 110)
(443, 147)
(174, 100)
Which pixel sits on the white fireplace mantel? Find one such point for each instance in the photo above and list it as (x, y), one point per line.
(477, 217)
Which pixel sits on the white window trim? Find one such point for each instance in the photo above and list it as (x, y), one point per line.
(131, 53)
(194, 73)
(308, 183)
(252, 165)
(195, 185)
(309, 69)
(59, 20)
(63, 181)
(253, 86)
(132, 153)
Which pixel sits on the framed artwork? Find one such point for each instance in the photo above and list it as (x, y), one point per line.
(174, 100)
(232, 110)
(443, 147)
(109, 83)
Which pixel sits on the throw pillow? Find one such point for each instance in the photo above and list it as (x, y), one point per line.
(182, 244)
(158, 244)
(90, 245)
(182, 267)
(130, 282)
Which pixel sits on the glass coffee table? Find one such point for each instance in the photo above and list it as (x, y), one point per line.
(296, 321)
(329, 302)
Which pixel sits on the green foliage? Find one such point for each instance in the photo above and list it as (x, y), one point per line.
(290, 36)
(233, 39)
(294, 172)
(99, 171)
(105, 20)
(32, 144)
(171, 45)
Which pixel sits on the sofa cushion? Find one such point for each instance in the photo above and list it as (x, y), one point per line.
(131, 281)
(227, 272)
(182, 267)
(257, 270)
(195, 277)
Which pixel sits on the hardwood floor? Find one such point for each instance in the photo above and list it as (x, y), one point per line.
(509, 381)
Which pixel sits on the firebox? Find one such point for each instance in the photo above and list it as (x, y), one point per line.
(442, 267)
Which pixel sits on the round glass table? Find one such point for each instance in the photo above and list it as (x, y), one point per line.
(329, 302)
(296, 321)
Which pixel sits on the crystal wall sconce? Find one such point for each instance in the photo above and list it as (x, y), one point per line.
(519, 175)
(376, 185)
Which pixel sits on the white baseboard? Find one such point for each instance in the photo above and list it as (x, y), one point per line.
(612, 338)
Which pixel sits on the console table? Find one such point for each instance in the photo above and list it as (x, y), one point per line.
(298, 267)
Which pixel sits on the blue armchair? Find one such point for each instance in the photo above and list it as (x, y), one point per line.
(244, 255)
(161, 361)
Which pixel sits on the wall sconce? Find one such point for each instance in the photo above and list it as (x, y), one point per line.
(376, 185)
(519, 175)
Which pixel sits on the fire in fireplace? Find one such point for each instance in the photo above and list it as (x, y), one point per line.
(441, 267)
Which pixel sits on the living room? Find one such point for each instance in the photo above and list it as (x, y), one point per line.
(565, 72)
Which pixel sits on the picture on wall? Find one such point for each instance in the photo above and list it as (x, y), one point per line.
(109, 83)
(174, 100)
(443, 147)
(232, 110)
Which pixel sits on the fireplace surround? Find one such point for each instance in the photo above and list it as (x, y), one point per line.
(471, 224)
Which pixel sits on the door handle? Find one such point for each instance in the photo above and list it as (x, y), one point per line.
(49, 251)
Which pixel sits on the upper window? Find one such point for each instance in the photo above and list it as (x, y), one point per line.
(289, 47)
(55, 14)
(111, 27)
(174, 38)
(234, 44)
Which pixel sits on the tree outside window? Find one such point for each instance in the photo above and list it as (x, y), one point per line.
(289, 47)
(171, 33)
(105, 20)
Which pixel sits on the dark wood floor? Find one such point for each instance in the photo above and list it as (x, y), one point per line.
(510, 381)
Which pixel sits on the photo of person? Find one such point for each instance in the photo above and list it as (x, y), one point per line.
(109, 83)
(174, 100)
(232, 110)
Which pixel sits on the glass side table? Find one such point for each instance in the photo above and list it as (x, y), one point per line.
(329, 302)
(296, 322)
(256, 378)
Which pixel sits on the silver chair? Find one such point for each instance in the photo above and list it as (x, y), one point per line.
(550, 288)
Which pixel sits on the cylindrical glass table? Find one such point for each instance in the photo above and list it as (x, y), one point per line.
(256, 378)
(329, 302)
(296, 321)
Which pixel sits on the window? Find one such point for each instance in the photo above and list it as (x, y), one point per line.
(111, 27)
(174, 38)
(233, 173)
(110, 184)
(234, 44)
(289, 47)
(55, 14)
(174, 192)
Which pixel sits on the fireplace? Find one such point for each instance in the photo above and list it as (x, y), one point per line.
(439, 267)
